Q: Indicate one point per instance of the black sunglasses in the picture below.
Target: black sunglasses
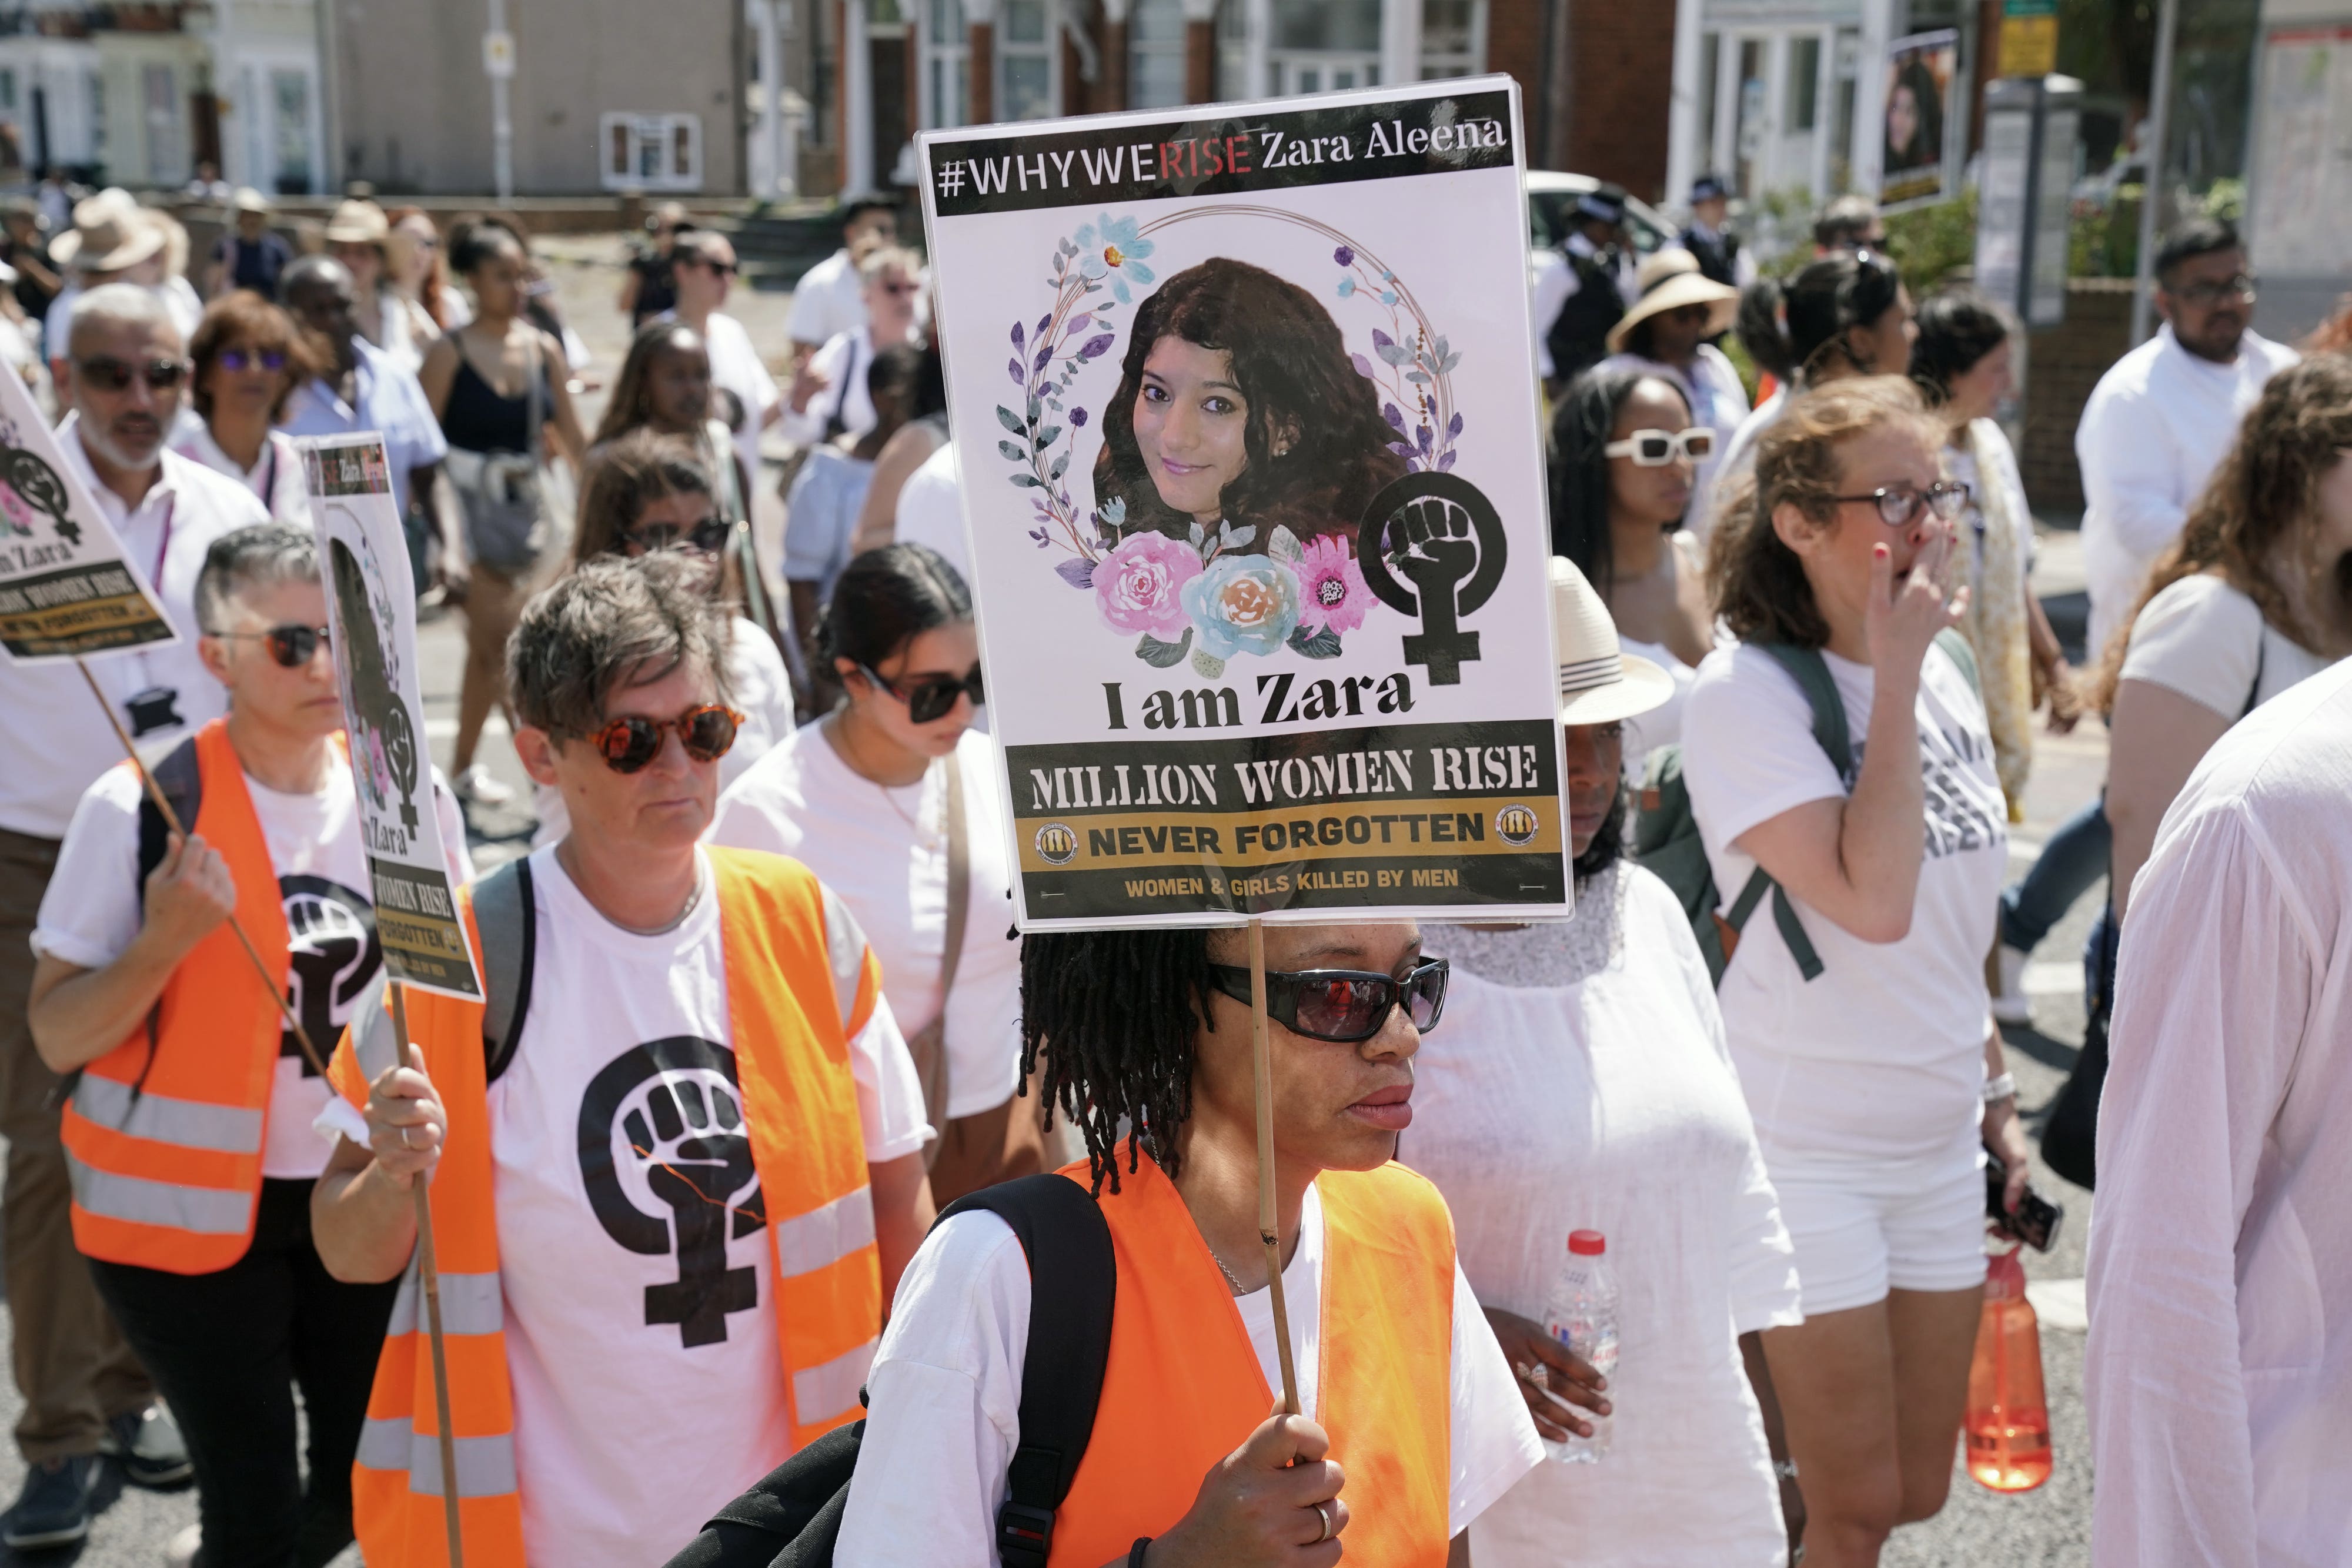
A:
(934, 698)
(1343, 1006)
(110, 374)
(706, 732)
(270, 359)
(1898, 504)
(722, 268)
(708, 536)
(292, 646)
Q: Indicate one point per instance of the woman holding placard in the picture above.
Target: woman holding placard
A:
(184, 1074)
(1402, 1383)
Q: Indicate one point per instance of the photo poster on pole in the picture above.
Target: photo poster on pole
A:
(1245, 408)
(372, 617)
(1921, 69)
(67, 589)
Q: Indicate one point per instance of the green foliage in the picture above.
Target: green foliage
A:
(1928, 243)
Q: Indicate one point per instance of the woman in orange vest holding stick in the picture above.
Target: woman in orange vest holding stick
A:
(188, 1129)
(1411, 1424)
(676, 1161)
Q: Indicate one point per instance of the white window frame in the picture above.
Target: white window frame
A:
(1139, 50)
(945, 63)
(1435, 66)
(1048, 48)
(641, 129)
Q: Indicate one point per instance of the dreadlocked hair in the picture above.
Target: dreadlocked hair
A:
(1111, 1015)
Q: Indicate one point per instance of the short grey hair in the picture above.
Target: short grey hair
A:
(264, 555)
(612, 622)
(883, 257)
(120, 304)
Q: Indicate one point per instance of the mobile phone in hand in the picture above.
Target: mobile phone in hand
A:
(2035, 1223)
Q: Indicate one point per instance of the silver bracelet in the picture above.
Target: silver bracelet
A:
(2001, 1088)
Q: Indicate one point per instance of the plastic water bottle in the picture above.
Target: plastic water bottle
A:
(1582, 1315)
(2008, 1422)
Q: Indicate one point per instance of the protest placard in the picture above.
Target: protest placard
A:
(66, 590)
(1245, 409)
(372, 612)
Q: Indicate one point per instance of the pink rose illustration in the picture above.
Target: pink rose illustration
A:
(1137, 585)
(1332, 590)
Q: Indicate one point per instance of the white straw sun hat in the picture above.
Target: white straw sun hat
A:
(1597, 685)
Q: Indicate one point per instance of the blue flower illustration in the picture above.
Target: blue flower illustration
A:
(1242, 603)
(1114, 248)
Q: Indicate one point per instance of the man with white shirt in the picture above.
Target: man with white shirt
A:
(675, 1171)
(126, 371)
(829, 396)
(2163, 416)
(830, 297)
(2219, 1372)
(702, 264)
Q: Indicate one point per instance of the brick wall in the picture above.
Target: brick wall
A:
(2063, 364)
(1621, 75)
(1515, 44)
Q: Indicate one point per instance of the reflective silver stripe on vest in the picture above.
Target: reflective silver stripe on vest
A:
(485, 1465)
(823, 1392)
(807, 1242)
(161, 1119)
(470, 1303)
(200, 1210)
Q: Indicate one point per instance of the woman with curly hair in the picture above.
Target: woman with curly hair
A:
(1411, 1426)
(1237, 403)
(2254, 597)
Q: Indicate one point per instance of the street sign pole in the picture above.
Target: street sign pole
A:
(499, 65)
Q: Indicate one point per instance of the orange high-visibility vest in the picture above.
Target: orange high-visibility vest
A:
(1183, 1388)
(793, 1002)
(163, 1134)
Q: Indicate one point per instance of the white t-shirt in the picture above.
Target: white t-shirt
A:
(162, 693)
(1662, 725)
(945, 1415)
(828, 300)
(96, 904)
(2156, 427)
(2221, 1250)
(2204, 639)
(1882, 1056)
(758, 687)
(275, 479)
(648, 1390)
(884, 852)
(930, 510)
(1581, 1082)
(736, 365)
(843, 362)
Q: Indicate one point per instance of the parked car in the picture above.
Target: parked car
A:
(1551, 194)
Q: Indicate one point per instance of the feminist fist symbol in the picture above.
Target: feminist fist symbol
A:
(1442, 534)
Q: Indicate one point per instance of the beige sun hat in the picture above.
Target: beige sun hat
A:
(248, 200)
(110, 232)
(1670, 279)
(358, 223)
(1598, 683)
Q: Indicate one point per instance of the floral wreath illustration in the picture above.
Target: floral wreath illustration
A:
(1215, 590)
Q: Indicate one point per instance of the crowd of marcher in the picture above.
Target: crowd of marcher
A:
(752, 1022)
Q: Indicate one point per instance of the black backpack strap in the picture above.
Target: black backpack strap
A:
(1811, 673)
(1062, 1229)
(505, 918)
(181, 781)
(1961, 652)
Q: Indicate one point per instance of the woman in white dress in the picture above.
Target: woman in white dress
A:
(1583, 1084)
(1625, 448)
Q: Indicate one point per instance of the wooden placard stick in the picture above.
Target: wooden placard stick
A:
(1267, 1227)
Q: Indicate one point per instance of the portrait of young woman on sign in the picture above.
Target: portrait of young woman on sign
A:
(1238, 404)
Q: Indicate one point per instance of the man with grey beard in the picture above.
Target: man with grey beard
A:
(126, 372)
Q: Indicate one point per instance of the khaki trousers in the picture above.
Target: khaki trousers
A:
(70, 1361)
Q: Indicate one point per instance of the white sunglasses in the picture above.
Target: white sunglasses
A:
(1656, 448)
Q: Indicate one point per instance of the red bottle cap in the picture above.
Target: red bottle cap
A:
(1587, 1243)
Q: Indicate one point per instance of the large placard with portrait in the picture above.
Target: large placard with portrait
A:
(1244, 407)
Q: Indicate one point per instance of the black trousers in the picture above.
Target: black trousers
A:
(227, 1350)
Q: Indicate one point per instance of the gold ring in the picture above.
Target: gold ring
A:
(1323, 1513)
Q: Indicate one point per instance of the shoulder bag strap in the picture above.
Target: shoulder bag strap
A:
(1067, 1241)
(1811, 673)
(506, 917)
(2262, 652)
(929, 1045)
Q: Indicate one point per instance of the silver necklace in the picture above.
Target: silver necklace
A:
(1228, 1274)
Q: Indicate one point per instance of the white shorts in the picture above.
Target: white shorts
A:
(1860, 1228)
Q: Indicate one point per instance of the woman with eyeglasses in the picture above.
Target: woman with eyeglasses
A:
(189, 1085)
(649, 491)
(828, 394)
(1410, 1425)
(1839, 751)
(249, 359)
(1845, 315)
(1581, 1083)
(1625, 450)
(892, 801)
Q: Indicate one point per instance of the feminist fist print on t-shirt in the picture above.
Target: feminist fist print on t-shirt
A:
(331, 955)
(666, 1162)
